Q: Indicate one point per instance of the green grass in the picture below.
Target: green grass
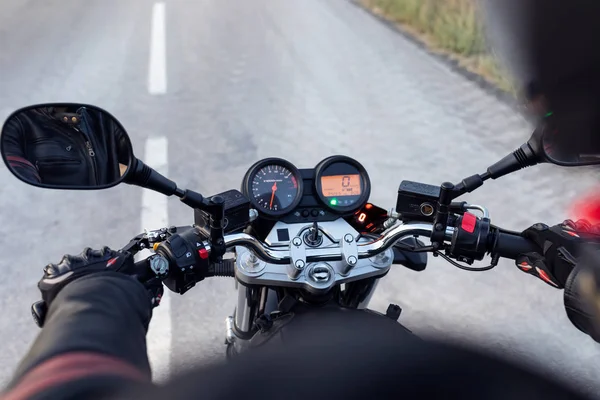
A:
(452, 27)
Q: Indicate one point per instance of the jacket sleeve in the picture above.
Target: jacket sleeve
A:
(582, 295)
(93, 342)
(13, 143)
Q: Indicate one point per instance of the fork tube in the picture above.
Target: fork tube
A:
(247, 307)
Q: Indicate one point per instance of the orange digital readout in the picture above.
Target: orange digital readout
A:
(340, 185)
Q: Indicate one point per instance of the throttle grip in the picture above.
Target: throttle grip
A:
(512, 244)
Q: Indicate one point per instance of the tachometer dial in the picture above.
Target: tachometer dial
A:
(273, 186)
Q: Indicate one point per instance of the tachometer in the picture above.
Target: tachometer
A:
(342, 184)
(274, 186)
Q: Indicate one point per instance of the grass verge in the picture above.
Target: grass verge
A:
(449, 27)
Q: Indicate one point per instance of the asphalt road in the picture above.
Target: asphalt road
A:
(295, 79)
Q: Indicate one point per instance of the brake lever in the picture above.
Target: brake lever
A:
(137, 244)
(149, 239)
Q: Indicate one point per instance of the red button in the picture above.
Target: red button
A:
(203, 253)
(468, 222)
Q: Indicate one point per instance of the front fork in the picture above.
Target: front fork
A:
(364, 303)
(253, 302)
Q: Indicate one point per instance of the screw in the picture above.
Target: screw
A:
(321, 213)
(299, 264)
(253, 214)
(297, 241)
(352, 260)
(348, 238)
(217, 200)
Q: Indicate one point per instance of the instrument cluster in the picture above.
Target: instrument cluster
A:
(338, 186)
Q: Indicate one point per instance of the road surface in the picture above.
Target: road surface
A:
(207, 88)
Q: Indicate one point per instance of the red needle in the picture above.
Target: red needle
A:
(274, 188)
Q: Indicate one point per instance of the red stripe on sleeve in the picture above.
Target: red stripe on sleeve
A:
(72, 367)
(19, 162)
(20, 159)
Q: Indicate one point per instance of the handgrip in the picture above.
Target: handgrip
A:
(511, 245)
(143, 272)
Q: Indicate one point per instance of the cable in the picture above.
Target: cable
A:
(457, 265)
(418, 249)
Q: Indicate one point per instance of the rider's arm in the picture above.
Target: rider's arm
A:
(93, 341)
(13, 142)
(122, 148)
(123, 145)
(582, 295)
(569, 258)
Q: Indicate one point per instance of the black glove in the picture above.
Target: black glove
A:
(70, 268)
(559, 247)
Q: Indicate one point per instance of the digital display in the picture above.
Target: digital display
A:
(340, 185)
(370, 218)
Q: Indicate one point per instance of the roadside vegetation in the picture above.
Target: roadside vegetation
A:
(451, 27)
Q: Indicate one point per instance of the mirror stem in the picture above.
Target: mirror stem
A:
(191, 198)
(146, 177)
(521, 158)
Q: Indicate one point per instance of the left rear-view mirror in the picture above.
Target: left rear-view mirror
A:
(66, 146)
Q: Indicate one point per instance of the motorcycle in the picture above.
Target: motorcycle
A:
(290, 237)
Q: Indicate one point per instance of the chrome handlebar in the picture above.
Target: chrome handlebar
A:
(281, 254)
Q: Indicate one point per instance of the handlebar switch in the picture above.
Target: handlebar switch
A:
(188, 260)
(470, 237)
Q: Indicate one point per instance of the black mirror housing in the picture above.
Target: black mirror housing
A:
(66, 146)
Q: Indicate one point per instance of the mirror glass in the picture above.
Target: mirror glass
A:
(66, 146)
(572, 145)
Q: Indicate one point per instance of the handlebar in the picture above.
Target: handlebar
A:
(281, 254)
(505, 244)
(189, 258)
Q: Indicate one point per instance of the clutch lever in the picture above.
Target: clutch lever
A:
(411, 253)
